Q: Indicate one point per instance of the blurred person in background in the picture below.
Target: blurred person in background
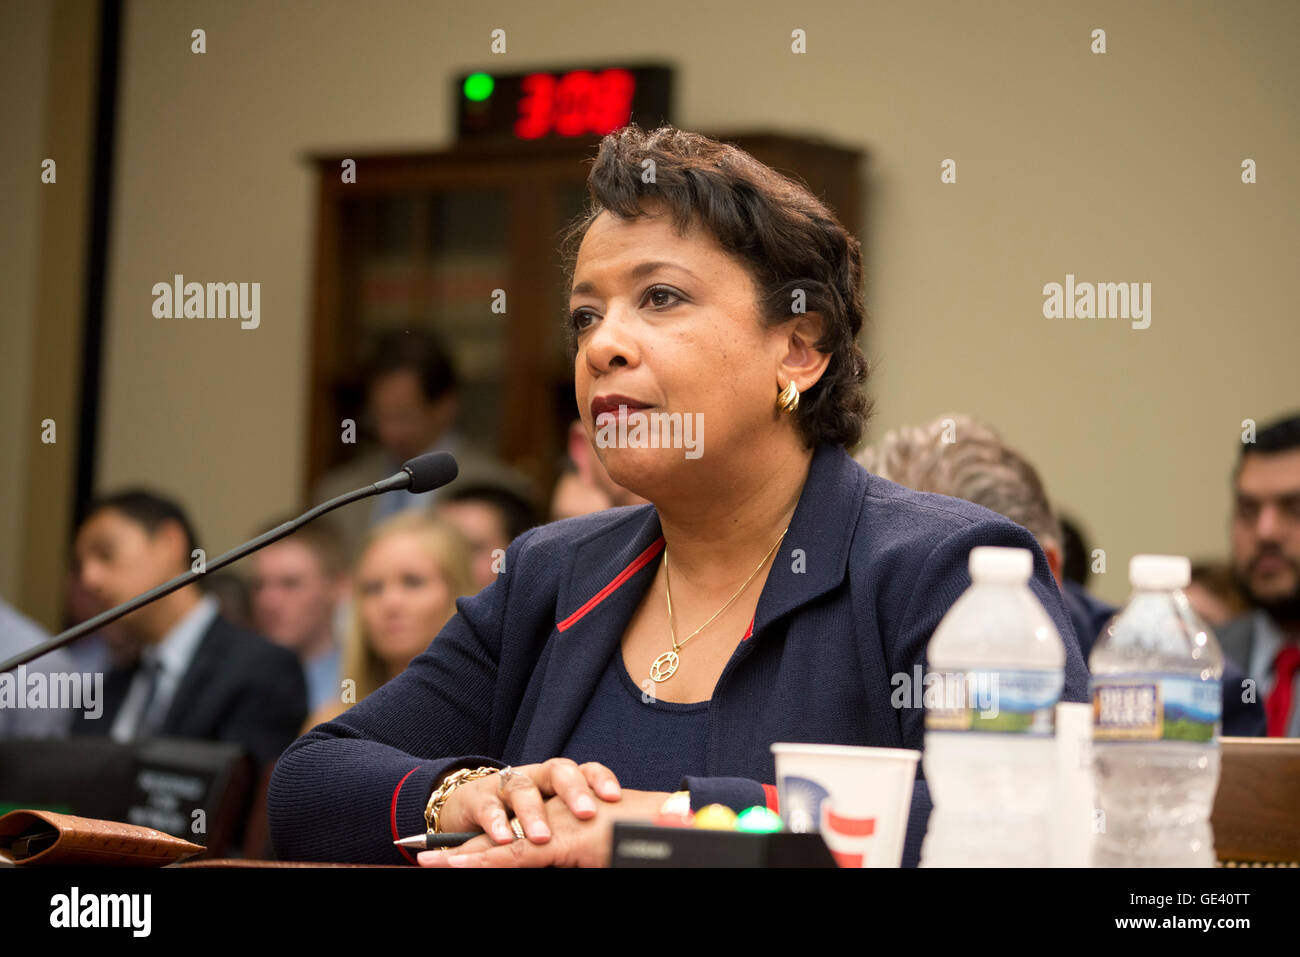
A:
(18, 633)
(109, 647)
(955, 455)
(412, 569)
(584, 485)
(196, 675)
(1265, 534)
(958, 456)
(1214, 593)
(297, 584)
(411, 407)
(233, 599)
(573, 496)
(1077, 565)
(490, 516)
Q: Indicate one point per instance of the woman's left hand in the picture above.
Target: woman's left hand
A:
(573, 842)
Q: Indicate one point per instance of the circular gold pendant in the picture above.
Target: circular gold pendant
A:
(664, 666)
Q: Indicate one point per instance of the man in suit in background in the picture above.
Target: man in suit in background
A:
(1266, 562)
(197, 675)
(412, 404)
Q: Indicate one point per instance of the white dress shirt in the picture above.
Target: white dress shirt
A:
(172, 656)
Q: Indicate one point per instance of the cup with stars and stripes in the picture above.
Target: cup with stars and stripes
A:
(858, 798)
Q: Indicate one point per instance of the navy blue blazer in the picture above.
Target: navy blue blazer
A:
(866, 571)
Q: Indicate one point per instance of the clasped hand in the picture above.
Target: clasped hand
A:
(567, 812)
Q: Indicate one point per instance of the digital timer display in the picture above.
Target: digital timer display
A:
(562, 104)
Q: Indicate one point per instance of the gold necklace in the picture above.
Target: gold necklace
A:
(665, 666)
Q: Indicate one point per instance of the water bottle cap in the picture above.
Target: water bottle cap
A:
(989, 563)
(1159, 571)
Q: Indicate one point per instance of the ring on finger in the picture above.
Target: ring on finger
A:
(504, 776)
(517, 828)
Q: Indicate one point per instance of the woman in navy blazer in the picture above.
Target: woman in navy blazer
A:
(774, 590)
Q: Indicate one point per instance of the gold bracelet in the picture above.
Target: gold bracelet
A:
(441, 793)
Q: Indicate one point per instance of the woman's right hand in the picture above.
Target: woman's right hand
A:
(488, 803)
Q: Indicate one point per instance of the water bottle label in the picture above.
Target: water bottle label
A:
(1155, 707)
(1017, 702)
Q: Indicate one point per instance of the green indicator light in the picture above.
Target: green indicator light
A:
(478, 87)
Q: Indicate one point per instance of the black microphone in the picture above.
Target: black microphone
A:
(423, 473)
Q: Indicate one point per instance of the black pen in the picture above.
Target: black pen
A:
(434, 842)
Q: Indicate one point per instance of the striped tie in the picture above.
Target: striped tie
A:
(150, 719)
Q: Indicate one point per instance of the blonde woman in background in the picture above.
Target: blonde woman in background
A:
(412, 569)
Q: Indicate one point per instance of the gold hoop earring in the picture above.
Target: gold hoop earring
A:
(788, 400)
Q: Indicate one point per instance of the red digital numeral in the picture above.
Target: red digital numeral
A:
(535, 106)
(573, 103)
(613, 101)
(577, 103)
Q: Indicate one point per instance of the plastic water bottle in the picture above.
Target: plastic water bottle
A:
(1157, 704)
(996, 673)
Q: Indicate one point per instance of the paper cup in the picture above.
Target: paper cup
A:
(858, 798)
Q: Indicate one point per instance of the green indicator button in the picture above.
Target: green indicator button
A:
(478, 87)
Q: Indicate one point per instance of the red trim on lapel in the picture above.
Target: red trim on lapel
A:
(392, 814)
(750, 630)
(637, 564)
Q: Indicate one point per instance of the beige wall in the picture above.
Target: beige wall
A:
(1122, 167)
(24, 60)
(49, 66)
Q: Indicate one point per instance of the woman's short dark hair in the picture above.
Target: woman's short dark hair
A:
(785, 236)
